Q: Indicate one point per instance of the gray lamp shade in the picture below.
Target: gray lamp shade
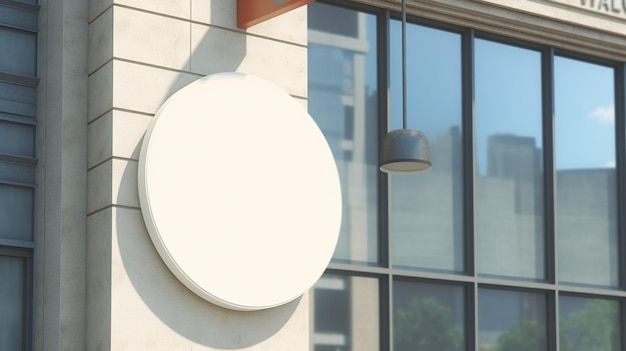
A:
(405, 151)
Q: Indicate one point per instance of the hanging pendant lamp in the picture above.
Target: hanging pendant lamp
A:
(405, 150)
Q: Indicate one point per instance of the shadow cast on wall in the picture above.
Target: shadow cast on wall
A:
(219, 50)
(179, 308)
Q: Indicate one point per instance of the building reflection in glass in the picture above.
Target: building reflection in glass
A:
(346, 313)
(509, 211)
(586, 185)
(343, 102)
(426, 210)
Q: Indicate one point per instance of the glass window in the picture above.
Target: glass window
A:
(426, 210)
(12, 299)
(16, 212)
(511, 320)
(431, 316)
(346, 313)
(18, 50)
(17, 139)
(586, 203)
(334, 20)
(17, 100)
(508, 162)
(18, 97)
(589, 324)
(517, 248)
(343, 101)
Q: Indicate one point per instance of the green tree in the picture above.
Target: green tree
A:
(426, 325)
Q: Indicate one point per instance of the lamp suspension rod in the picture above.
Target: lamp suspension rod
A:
(404, 105)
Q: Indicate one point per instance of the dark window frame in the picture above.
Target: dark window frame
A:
(27, 308)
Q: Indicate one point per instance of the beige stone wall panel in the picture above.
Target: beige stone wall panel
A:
(219, 50)
(173, 8)
(97, 7)
(128, 130)
(100, 41)
(152, 310)
(100, 92)
(112, 183)
(143, 88)
(151, 38)
(99, 140)
(98, 291)
(117, 134)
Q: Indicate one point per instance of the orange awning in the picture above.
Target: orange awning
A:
(251, 12)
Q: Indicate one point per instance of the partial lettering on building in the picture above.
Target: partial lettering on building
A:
(615, 8)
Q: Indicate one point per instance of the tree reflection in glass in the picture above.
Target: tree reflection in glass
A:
(588, 324)
(522, 336)
(428, 317)
(425, 324)
(511, 321)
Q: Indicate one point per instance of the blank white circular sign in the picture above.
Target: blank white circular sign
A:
(239, 192)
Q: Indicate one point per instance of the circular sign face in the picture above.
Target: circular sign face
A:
(239, 192)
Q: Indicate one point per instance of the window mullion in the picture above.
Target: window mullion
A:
(620, 153)
(548, 163)
(384, 242)
(468, 169)
(551, 257)
(384, 89)
(468, 150)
